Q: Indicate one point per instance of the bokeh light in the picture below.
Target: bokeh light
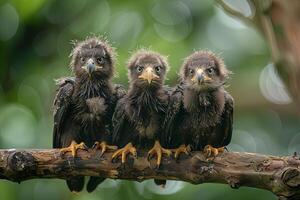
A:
(9, 20)
(126, 27)
(272, 86)
(17, 126)
(173, 20)
(149, 188)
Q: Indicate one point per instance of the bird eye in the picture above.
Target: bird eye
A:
(82, 59)
(100, 60)
(157, 69)
(210, 70)
(139, 68)
(191, 71)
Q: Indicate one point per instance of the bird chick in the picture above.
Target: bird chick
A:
(84, 104)
(200, 112)
(137, 121)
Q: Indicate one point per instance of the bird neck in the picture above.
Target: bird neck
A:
(148, 100)
(197, 101)
(92, 87)
(205, 108)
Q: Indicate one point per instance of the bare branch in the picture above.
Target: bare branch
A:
(280, 175)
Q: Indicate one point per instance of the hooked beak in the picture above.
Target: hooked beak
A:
(199, 76)
(148, 75)
(90, 66)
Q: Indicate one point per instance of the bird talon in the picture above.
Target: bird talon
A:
(182, 149)
(159, 151)
(150, 154)
(104, 147)
(211, 152)
(189, 150)
(95, 145)
(82, 146)
(128, 149)
(73, 148)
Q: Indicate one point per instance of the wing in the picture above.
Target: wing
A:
(118, 121)
(172, 114)
(120, 91)
(226, 124)
(61, 108)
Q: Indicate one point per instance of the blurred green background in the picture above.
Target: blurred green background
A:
(35, 44)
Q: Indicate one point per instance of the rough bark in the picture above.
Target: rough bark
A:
(280, 175)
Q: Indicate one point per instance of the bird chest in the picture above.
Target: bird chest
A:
(148, 130)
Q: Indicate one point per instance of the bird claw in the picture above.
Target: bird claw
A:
(73, 148)
(128, 149)
(182, 149)
(159, 151)
(104, 147)
(225, 149)
(211, 152)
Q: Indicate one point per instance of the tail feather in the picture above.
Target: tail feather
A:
(93, 183)
(161, 183)
(76, 184)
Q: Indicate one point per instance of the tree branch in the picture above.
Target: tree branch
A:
(280, 175)
(279, 21)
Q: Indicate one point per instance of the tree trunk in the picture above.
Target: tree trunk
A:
(279, 21)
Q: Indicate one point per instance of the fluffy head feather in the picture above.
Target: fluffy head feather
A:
(204, 70)
(96, 51)
(143, 60)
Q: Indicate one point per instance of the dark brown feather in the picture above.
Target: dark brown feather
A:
(200, 114)
(84, 104)
(139, 115)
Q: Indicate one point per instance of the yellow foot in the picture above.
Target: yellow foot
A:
(182, 149)
(128, 149)
(104, 147)
(73, 148)
(159, 151)
(210, 151)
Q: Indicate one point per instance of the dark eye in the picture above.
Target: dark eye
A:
(191, 71)
(210, 70)
(139, 68)
(100, 60)
(82, 59)
(157, 69)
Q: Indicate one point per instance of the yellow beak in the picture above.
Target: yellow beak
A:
(148, 75)
(199, 73)
(200, 76)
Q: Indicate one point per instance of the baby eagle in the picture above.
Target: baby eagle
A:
(200, 112)
(84, 104)
(138, 117)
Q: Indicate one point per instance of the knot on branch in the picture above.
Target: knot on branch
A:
(291, 177)
(296, 197)
(21, 164)
(234, 182)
